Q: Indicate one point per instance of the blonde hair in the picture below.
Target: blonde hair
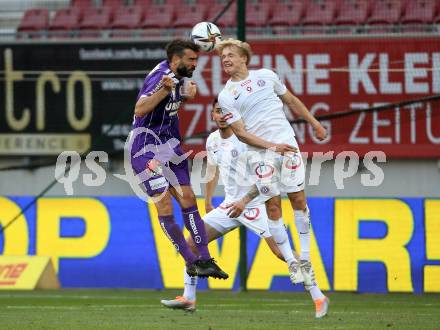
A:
(243, 47)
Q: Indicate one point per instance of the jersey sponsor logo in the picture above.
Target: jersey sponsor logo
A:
(192, 223)
(172, 107)
(158, 183)
(247, 82)
(236, 97)
(261, 83)
(264, 171)
(251, 214)
(293, 162)
(249, 89)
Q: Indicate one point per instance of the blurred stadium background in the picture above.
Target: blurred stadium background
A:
(70, 73)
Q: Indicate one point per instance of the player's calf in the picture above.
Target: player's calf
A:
(308, 273)
(296, 275)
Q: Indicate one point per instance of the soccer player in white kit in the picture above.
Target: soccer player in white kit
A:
(252, 103)
(228, 159)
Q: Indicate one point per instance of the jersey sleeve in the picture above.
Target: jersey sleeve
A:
(209, 151)
(278, 86)
(152, 83)
(231, 115)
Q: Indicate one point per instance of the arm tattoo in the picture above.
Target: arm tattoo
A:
(251, 194)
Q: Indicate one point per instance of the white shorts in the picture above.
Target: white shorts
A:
(254, 218)
(276, 174)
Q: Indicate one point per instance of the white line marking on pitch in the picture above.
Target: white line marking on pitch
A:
(54, 296)
(82, 307)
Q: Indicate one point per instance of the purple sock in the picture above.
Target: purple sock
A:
(196, 227)
(174, 234)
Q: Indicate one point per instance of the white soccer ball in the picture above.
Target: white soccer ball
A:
(206, 35)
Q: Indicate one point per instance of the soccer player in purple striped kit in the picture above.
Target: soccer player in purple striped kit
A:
(157, 157)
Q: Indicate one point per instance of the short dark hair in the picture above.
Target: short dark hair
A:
(178, 46)
(215, 101)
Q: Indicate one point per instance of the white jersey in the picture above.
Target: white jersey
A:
(231, 158)
(256, 101)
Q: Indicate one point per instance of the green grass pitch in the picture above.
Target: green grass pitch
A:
(138, 309)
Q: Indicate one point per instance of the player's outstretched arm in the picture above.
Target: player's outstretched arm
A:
(211, 172)
(147, 104)
(253, 140)
(236, 208)
(300, 109)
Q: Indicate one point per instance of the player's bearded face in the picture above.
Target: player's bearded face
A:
(187, 64)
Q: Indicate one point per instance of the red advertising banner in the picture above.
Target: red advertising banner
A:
(342, 75)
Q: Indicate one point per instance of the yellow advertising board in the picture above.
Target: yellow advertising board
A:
(27, 273)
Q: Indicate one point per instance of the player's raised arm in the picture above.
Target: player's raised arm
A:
(253, 140)
(146, 104)
(300, 109)
(211, 172)
(189, 90)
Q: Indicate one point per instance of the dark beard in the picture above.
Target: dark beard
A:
(182, 71)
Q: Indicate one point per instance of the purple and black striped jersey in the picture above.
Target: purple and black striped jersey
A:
(163, 121)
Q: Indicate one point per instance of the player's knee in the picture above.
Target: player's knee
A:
(273, 211)
(164, 206)
(298, 201)
(188, 199)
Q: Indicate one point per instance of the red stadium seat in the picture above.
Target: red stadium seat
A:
(36, 19)
(320, 13)
(317, 15)
(352, 12)
(287, 14)
(386, 12)
(229, 17)
(257, 14)
(158, 16)
(145, 3)
(419, 11)
(126, 18)
(189, 15)
(82, 4)
(67, 20)
(114, 5)
(95, 19)
(385, 16)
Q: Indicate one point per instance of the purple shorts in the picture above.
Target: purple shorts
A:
(158, 174)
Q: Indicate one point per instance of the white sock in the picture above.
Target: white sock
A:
(279, 234)
(190, 283)
(315, 292)
(302, 222)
